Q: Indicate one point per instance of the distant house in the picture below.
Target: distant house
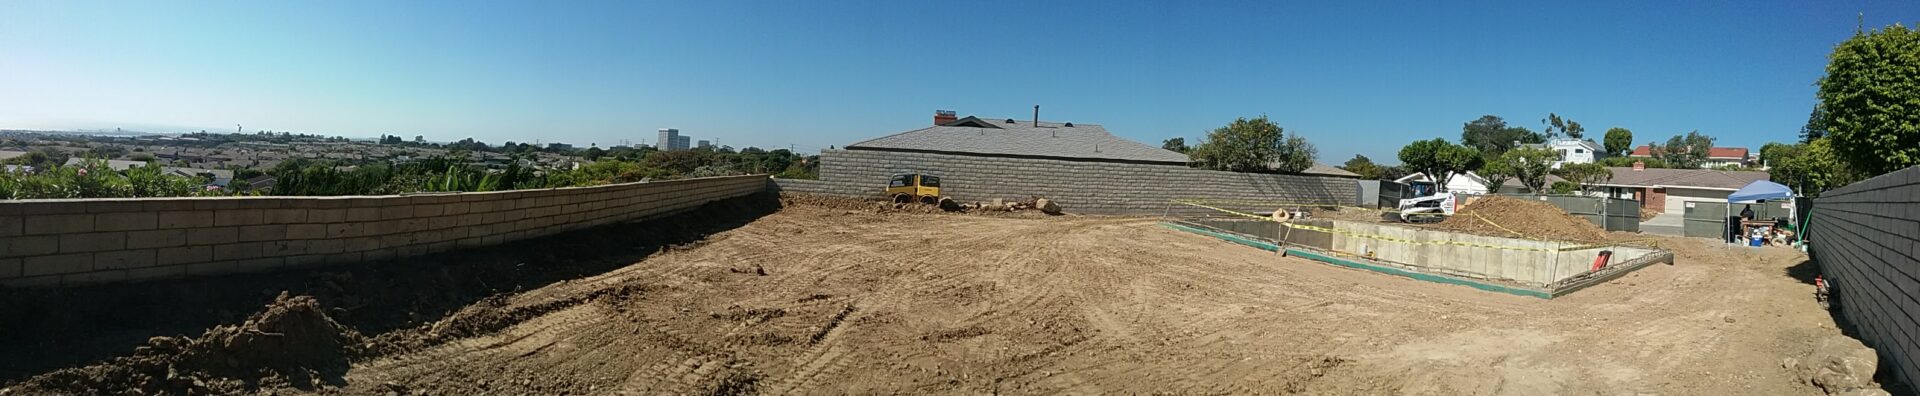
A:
(261, 183)
(1021, 139)
(214, 177)
(1461, 183)
(1572, 151)
(1716, 157)
(1319, 169)
(1669, 190)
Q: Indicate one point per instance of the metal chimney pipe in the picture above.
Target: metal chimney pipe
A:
(1036, 116)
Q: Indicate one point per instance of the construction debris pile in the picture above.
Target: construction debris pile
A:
(1521, 218)
(1029, 205)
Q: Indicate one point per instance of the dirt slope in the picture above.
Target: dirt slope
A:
(815, 300)
(1521, 218)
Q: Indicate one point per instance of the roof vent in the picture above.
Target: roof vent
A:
(1009, 120)
(1069, 125)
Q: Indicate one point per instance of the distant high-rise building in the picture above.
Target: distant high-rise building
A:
(671, 140)
(705, 144)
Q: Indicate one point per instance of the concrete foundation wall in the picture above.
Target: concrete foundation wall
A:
(1540, 269)
(1526, 267)
(1866, 238)
(1078, 186)
(82, 241)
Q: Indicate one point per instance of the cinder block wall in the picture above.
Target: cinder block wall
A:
(1866, 238)
(1080, 187)
(82, 241)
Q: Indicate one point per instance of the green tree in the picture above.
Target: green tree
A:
(1816, 126)
(1871, 96)
(1563, 126)
(1253, 145)
(1531, 166)
(107, 152)
(1562, 188)
(1496, 172)
(1178, 145)
(1686, 151)
(1491, 135)
(1439, 159)
(1363, 166)
(1809, 168)
(1619, 141)
(1627, 162)
(1585, 176)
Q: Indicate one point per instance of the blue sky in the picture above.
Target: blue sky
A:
(1354, 77)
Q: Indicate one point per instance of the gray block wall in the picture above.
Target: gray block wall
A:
(1079, 187)
(64, 242)
(1866, 238)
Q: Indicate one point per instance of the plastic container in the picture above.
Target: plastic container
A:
(1756, 242)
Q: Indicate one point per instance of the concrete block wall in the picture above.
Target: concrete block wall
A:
(1866, 238)
(1078, 186)
(83, 241)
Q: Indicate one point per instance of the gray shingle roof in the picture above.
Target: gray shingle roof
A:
(1697, 178)
(1022, 138)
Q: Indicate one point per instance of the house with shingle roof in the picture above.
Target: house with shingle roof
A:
(1008, 137)
(1669, 190)
(1080, 166)
(1022, 139)
(1716, 157)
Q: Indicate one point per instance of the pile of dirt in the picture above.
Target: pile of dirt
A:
(1520, 218)
(1016, 208)
(291, 343)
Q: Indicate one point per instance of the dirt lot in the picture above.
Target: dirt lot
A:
(816, 299)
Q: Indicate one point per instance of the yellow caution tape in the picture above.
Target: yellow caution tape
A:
(1490, 222)
(1392, 239)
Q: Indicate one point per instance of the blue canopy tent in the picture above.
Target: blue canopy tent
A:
(1760, 191)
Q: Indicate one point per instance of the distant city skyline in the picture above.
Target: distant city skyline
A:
(1350, 77)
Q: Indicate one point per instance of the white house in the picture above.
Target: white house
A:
(1572, 151)
(1461, 183)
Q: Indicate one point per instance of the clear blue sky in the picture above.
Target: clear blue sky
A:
(1352, 78)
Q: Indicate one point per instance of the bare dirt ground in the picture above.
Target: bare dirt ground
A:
(816, 299)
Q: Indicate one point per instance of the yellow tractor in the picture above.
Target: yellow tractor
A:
(912, 187)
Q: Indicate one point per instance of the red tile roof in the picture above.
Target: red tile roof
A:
(1727, 152)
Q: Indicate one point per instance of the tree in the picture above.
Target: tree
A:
(1628, 162)
(1809, 168)
(1491, 135)
(1178, 145)
(1816, 126)
(1563, 126)
(1686, 151)
(1562, 188)
(1871, 98)
(1439, 159)
(1253, 145)
(107, 152)
(1363, 166)
(1585, 176)
(1619, 141)
(1530, 165)
(1496, 172)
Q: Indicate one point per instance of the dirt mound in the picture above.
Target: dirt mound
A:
(1026, 208)
(1521, 218)
(292, 343)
